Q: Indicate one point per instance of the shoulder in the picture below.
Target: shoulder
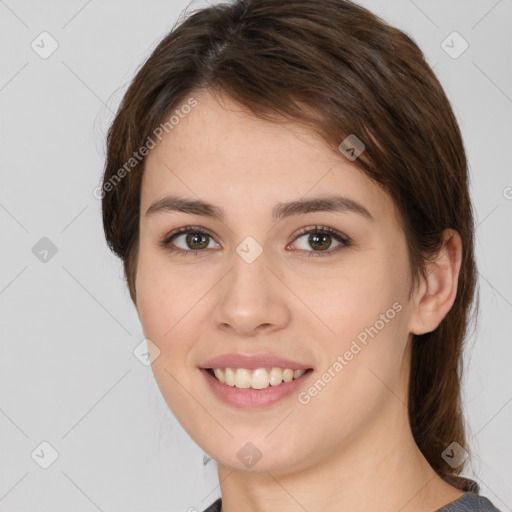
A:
(470, 502)
(215, 506)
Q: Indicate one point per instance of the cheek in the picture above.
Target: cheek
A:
(362, 373)
(153, 304)
(162, 314)
(364, 315)
(163, 307)
(163, 295)
(171, 306)
(351, 299)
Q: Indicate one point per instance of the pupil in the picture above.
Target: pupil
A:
(320, 241)
(197, 241)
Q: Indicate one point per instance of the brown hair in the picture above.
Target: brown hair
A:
(341, 70)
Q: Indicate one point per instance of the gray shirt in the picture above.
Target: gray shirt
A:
(468, 502)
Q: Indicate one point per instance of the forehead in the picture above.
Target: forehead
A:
(219, 127)
(221, 152)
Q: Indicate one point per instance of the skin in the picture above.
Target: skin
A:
(351, 447)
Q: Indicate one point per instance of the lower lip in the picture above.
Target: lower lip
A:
(250, 398)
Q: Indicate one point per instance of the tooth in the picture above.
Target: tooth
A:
(288, 375)
(260, 379)
(243, 378)
(219, 374)
(298, 373)
(276, 376)
(229, 376)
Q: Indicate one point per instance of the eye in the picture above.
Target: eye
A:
(189, 240)
(321, 239)
(314, 240)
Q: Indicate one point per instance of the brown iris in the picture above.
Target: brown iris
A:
(320, 241)
(197, 240)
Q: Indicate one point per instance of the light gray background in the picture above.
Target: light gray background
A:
(68, 375)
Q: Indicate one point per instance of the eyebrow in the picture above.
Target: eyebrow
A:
(280, 211)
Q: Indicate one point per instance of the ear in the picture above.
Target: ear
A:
(436, 293)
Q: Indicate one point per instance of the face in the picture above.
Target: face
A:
(269, 245)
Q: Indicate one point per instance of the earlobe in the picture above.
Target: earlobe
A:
(436, 293)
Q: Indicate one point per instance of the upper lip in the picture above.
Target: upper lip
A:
(252, 362)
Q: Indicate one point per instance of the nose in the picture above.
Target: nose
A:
(251, 300)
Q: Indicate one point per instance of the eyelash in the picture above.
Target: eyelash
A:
(344, 240)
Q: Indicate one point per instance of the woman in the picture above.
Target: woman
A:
(287, 187)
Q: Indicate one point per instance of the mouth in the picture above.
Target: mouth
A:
(257, 378)
(255, 381)
(257, 388)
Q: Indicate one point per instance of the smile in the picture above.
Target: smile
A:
(255, 389)
(258, 378)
